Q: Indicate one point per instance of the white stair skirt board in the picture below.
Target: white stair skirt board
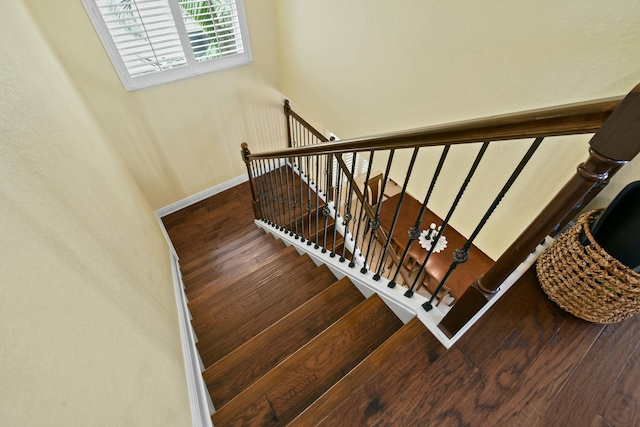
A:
(199, 400)
(405, 308)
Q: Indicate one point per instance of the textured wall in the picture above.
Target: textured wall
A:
(183, 137)
(362, 68)
(88, 323)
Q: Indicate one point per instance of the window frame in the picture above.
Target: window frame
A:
(191, 69)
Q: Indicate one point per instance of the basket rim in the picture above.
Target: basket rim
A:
(584, 225)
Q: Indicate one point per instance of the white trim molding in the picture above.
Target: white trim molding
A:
(199, 401)
(198, 197)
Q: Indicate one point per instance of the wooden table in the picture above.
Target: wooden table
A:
(463, 276)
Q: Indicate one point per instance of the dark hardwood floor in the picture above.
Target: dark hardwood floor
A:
(525, 363)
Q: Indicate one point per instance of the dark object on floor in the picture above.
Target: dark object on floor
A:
(585, 280)
(617, 230)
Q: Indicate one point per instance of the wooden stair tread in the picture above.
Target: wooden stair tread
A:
(245, 321)
(233, 260)
(213, 256)
(227, 377)
(207, 238)
(223, 304)
(212, 294)
(383, 374)
(196, 261)
(308, 373)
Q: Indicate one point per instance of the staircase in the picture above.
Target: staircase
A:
(283, 341)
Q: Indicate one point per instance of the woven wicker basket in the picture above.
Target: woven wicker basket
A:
(585, 280)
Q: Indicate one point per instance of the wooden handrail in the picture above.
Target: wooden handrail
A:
(580, 118)
(290, 113)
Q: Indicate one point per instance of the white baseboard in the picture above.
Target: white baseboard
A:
(198, 197)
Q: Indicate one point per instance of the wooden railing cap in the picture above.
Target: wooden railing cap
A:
(577, 118)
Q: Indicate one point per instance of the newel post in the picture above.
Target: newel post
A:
(287, 114)
(256, 203)
(616, 143)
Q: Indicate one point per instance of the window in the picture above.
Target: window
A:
(157, 41)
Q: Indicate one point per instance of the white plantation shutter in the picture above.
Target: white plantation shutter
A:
(157, 41)
(213, 28)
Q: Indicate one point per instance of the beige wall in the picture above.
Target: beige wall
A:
(362, 68)
(180, 138)
(88, 323)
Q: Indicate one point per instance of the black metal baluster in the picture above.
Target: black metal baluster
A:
(289, 200)
(256, 181)
(409, 293)
(326, 212)
(274, 197)
(309, 205)
(362, 205)
(300, 175)
(336, 206)
(384, 254)
(264, 207)
(287, 113)
(374, 224)
(283, 199)
(294, 200)
(348, 216)
(316, 246)
(414, 232)
(461, 255)
(279, 195)
(267, 194)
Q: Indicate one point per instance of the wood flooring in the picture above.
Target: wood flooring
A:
(525, 363)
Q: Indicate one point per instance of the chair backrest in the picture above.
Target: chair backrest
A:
(372, 193)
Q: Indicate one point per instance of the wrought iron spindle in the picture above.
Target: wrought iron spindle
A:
(267, 193)
(326, 211)
(348, 216)
(263, 206)
(336, 207)
(317, 183)
(274, 197)
(256, 183)
(309, 205)
(414, 232)
(409, 293)
(287, 165)
(283, 199)
(300, 180)
(374, 223)
(279, 194)
(384, 254)
(287, 114)
(294, 200)
(461, 255)
(362, 213)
